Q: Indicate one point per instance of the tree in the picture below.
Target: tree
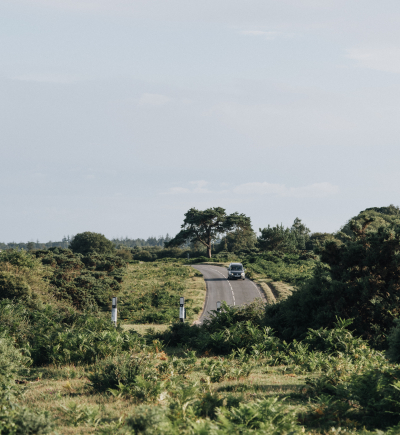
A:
(277, 238)
(283, 239)
(87, 242)
(358, 278)
(239, 240)
(301, 232)
(205, 226)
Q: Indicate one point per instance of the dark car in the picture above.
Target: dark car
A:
(236, 271)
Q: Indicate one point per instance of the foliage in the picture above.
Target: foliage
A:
(77, 345)
(15, 420)
(57, 336)
(83, 281)
(152, 290)
(12, 360)
(378, 216)
(77, 414)
(394, 342)
(128, 375)
(205, 226)
(87, 243)
(283, 239)
(239, 240)
(359, 279)
(278, 266)
(18, 258)
(13, 286)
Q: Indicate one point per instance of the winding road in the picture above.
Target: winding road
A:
(219, 288)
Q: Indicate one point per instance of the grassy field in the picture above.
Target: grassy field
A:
(66, 394)
(151, 291)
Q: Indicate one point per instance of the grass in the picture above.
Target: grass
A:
(143, 329)
(65, 393)
(150, 293)
(275, 291)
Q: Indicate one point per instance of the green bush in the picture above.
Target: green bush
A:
(12, 360)
(83, 280)
(18, 258)
(292, 268)
(358, 279)
(127, 375)
(77, 345)
(13, 286)
(394, 343)
(15, 420)
(144, 255)
(87, 243)
(377, 393)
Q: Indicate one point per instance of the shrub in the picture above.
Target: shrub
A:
(145, 256)
(83, 280)
(270, 416)
(394, 343)
(86, 243)
(377, 392)
(22, 421)
(127, 375)
(12, 360)
(360, 280)
(125, 254)
(13, 286)
(18, 258)
(150, 420)
(74, 345)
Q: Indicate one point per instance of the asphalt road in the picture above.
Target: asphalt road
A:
(219, 288)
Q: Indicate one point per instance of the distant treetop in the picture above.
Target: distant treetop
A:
(87, 242)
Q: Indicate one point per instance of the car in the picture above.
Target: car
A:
(236, 271)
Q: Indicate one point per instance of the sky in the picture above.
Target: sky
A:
(118, 116)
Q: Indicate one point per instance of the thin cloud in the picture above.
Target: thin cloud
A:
(267, 35)
(155, 100)
(385, 59)
(316, 190)
(199, 187)
(47, 78)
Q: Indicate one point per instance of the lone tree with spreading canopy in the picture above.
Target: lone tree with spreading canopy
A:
(205, 226)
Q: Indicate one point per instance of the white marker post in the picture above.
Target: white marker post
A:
(114, 311)
(182, 313)
(218, 306)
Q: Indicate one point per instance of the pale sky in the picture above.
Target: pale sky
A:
(118, 116)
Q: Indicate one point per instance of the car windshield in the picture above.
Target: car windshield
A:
(236, 267)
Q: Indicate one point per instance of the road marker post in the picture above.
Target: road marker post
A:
(218, 306)
(182, 311)
(114, 311)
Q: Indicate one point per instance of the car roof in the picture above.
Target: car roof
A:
(236, 264)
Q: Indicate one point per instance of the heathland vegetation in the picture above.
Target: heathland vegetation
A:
(322, 356)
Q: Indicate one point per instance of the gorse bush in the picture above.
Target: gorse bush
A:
(12, 360)
(13, 286)
(83, 281)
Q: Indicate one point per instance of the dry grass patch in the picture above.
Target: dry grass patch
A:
(144, 329)
(275, 291)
